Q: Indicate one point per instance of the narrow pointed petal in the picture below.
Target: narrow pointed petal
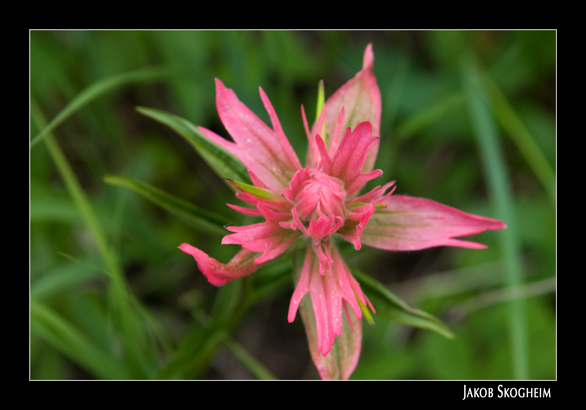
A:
(323, 227)
(336, 138)
(255, 195)
(327, 292)
(334, 342)
(279, 205)
(278, 130)
(265, 152)
(410, 223)
(325, 162)
(245, 211)
(324, 301)
(218, 273)
(360, 97)
(355, 223)
(376, 195)
(349, 159)
(255, 181)
(268, 238)
(342, 360)
(313, 155)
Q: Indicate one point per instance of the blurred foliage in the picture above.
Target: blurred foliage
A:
(187, 328)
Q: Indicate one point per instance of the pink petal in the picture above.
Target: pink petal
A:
(327, 294)
(410, 223)
(285, 145)
(376, 195)
(269, 238)
(255, 181)
(296, 184)
(219, 274)
(338, 364)
(355, 223)
(267, 153)
(312, 152)
(348, 160)
(245, 211)
(278, 205)
(361, 100)
(323, 227)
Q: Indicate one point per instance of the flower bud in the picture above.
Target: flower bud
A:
(321, 195)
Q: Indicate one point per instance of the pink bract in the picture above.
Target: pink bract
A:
(322, 200)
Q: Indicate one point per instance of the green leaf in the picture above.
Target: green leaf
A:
(223, 162)
(199, 218)
(365, 311)
(254, 190)
(389, 305)
(320, 107)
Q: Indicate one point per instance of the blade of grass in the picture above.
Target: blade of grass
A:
(255, 367)
(511, 122)
(190, 358)
(502, 199)
(249, 361)
(139, 356)
(55, 330)
(61, 279)
(94, 91)
(202, 219)
(497, 296)
(434, 113)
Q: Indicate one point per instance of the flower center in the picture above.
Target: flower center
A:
(321, 195)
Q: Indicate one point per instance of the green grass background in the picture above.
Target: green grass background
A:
(468, 120)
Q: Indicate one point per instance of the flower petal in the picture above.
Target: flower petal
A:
(270, 238)
(322, 313)
(355, 223)
(265, 152)
(349, 159)
(218, 273)
(360, 97)
(377, 194)
(410, 223)
(342, 360)
(327, 291)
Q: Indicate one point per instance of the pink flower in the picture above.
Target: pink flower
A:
(322, 201)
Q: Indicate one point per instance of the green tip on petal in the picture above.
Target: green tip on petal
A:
(320, 107)
(357, 204)
(365, 311)
(254, 190)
